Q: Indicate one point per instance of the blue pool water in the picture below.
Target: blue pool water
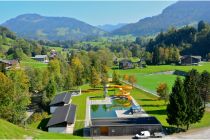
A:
(108, 110)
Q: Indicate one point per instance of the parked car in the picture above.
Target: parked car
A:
(142, 135)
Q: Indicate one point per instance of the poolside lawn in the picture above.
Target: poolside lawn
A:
(155, 107)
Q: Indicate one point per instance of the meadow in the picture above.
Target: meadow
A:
(149, 78)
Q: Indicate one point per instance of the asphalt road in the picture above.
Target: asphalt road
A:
(203, 133)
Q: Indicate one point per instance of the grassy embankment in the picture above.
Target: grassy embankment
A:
(11, 131)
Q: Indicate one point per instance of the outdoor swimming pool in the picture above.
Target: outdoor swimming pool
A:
(108, 110)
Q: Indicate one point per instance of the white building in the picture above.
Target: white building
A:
(63, 119)
(60, 100)
(41, 58)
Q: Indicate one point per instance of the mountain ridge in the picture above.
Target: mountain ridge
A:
(35, 26)
(178, 14)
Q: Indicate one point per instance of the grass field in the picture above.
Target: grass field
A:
(11, 131)
(157, 108)
(28, 62)
(148, 78)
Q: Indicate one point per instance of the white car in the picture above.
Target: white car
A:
(143, 135)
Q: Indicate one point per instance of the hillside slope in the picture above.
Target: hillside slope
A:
(34, 26)
(179, 14)
(11, 131)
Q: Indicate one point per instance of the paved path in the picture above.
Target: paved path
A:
(202, 133)
(107, 100)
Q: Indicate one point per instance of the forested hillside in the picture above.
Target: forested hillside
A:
(51, 28)
(189, 40)
(177, 15)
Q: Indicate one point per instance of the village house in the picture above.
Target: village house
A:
(53, 54)
(63, 119)
(190, 60)
(7, 64)
(60, 100)
(126, 64)
(41, 58)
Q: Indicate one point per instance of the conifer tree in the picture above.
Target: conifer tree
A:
(195, 109)
(176, 109)
(204, 86)
(51, 89)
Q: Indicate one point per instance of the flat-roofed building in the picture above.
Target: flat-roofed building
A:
(124, 126)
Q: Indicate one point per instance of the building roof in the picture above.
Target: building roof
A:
(40, 56)
(64, 114)
(125, 121)
(193, 56)
(9, 61)
(61, 98)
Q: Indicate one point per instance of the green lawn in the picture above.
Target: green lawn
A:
(161, 68)
(28, 62)
(157, 108)
(150, 81)
(11, 131)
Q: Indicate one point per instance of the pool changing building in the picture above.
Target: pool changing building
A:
(63, 119)
(60, 100)
(124, 126)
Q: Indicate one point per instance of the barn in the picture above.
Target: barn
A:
(41, 58)
(124, 126)
(60, 100)
(190, 60)
(63, 119)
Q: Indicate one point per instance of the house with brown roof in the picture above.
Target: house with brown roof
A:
(8, 64)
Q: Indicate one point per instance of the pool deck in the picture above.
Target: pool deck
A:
(107, 100)
(127, 114)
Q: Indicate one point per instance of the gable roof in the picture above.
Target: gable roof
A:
(40, 56)
(63, 114)
(10, 62)
(61, 98)
(186, 56)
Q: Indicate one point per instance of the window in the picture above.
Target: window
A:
(113, 130)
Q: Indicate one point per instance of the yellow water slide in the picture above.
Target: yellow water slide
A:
(124, 91)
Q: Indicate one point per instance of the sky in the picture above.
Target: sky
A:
(92, 12)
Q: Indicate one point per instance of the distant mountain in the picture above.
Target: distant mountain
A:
(111, 27)
(179, 14)
(34, 26)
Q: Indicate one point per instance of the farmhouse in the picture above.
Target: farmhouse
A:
(126, 64)
(63, 119)
(7, 64)
(60, 100)
(190, 60)
(41, 58)
(124, 126)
